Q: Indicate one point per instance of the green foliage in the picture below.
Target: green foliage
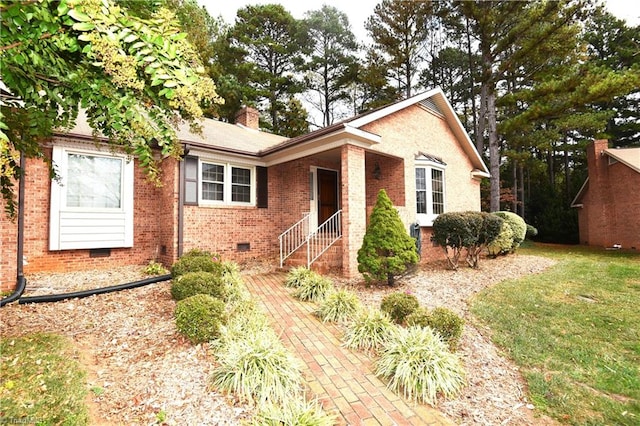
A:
(297, 276)
(235, 290)
(420, 317)
(448, 325)
(504, 242)
(257, 368)
(418, 363)
(195, 261)
(314, 289)
(340, 306)
(532, 231)
(193, 283)
(399, 305)
(518, 226)
(369, 330)
(387, 249)
(200, 317)
(134, 78)
(470, 231)
(155, 268)
(292, 412)
(41, 381)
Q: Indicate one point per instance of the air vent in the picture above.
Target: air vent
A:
(431, 106)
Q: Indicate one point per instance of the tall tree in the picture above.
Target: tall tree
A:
(371, 88)
(273, 44)
(328, 69)
(134, 77)
(399, 30)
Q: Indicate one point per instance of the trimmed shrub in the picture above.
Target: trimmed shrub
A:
(193, 283)
(297, 276)
(314, 289)
(258, 368)
(194, 261)
(399, 305)
(504, 242)
(200, 317)
(369, 330)
(532, 231)
(447, 324)
(518, 227)
(339, 306)
(294, 411)
(417, 363)
(419, 318)
(387, 249)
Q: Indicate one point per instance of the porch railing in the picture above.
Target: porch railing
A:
(317, 241)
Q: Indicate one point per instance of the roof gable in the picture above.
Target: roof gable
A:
(627, 156)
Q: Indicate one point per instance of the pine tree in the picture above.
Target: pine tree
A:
(387, 249)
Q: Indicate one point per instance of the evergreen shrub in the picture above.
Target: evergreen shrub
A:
(192, 283)
(399, 305)
(518, 227)
(200, 317)
(419, 318)
(447, 324)
(196, 260)
(504, 242)
(532, 231)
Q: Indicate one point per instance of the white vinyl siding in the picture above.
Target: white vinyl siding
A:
(92, 203)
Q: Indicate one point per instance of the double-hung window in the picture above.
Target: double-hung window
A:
(225, 183)
(430, 189)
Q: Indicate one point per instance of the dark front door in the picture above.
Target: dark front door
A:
(327, 194)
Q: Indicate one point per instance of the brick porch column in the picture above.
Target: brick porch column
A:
(354, 207)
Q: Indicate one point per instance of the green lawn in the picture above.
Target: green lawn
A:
(574, 330)
(40, 382)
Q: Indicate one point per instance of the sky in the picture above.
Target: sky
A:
(359, 10)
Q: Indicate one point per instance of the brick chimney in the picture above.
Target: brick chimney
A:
(248, 117)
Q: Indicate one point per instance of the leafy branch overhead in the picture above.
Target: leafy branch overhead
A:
(136, 78)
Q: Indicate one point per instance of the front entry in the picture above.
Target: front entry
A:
(324, 195)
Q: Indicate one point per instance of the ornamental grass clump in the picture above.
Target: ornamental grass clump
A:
(399, 305)
(340, 306)
(235, 289)
(418, 364)
(193, 283)
(293, 412)
(196, 260)
(200, 317)
(369, 330)
(297, 276)
(258, 369)
(314, 289)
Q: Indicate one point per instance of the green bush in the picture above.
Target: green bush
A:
(518, 227)
(314, 289)
(387, 249)
(504, 242)
(416, 362)
(196, 260)
(293, 412)
(447, 324)
(193, 283)
(399, 305)
(339, 306)
(532, 231)
(419, 317)
(297, 276)
(369, 330)
(200, 317)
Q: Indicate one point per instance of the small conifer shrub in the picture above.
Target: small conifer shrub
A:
(420, 317)
(200, 317)
(387, 251)
(399, 305)
(447, 324)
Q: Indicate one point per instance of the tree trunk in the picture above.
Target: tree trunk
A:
(494, 149)
(514, 203)
(472, 89)
(482, 116)
(521, 189)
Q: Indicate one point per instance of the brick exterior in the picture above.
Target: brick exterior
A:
(404, 134)
(611, 203)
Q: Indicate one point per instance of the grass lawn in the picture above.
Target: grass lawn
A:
(574, 330)
(40, 382)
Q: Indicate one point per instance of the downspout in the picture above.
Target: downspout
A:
(21, 283)
(181, 183)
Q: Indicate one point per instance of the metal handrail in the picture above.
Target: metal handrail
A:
(322, 238)
(294, 237)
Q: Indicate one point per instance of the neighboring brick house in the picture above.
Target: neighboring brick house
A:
(609, 200)
(237, 189)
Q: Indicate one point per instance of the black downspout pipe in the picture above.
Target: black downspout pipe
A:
(21, 282)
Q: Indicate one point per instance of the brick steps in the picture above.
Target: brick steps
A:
(329, 261)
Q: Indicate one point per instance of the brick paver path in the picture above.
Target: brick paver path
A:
(341, 379)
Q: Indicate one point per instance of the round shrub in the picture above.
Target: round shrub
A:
(200, 317)
(399, 305)
(194, 262)
(419, 317)
(193, 283)
(416, 362)
(532, 231)
(518, 226)
(504, 242)
(339, 306)
(447, 324)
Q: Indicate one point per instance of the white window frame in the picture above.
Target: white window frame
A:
(426, 219)
(227, 184)
(86, 220)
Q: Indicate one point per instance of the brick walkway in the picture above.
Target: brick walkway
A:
(341, 379)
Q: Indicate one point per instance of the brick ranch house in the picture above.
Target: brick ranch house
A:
(609, 201)
(238, 189)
